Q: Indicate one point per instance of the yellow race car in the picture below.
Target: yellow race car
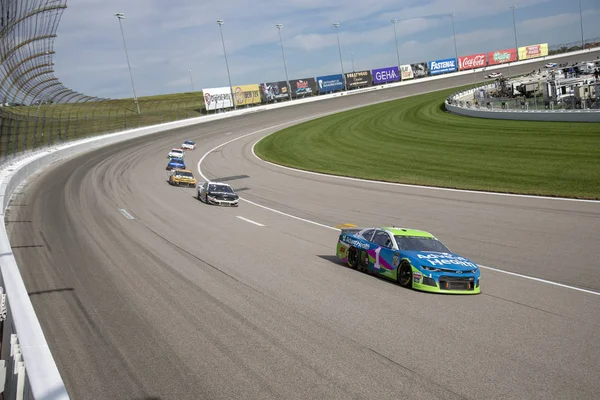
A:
(182, 177)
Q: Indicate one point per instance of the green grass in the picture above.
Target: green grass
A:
(415, 141)
(28, 127)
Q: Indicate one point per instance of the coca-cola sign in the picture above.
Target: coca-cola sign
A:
(502, 56)
(472, 61)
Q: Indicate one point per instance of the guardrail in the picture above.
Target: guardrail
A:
(31, 372)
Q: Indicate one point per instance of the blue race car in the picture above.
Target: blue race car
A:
(415, 259)
(176, 163)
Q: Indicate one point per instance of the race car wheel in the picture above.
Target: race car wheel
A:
(405, 275)
(199, 196)
(352, 258)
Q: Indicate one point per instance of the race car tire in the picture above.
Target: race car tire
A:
(352, 260)
(199, 196)
(405, 275)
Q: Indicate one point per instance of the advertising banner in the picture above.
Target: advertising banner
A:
(502, 56)
(442, 66)
(245, 95)
(330, 83)
(533, 51)
(272, 91)
(217, 98)
(420, 70)
(385, 75)
(406, 72)
(303, 87)
(472, 61)
(358, 78)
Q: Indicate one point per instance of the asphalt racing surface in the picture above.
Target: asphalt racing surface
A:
(144, 292)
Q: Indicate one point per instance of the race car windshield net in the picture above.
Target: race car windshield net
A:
(187, 174)
(220, 189)
(414, 243)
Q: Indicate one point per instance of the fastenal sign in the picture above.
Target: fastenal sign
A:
(385, 75)
(217, 98)
(502, 56)
(330, 83)
(472, 61)
(442, 66)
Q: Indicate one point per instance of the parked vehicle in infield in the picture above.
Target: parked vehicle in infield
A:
(494, 75)
(218, 193)
(413, 258)
(189, 145)
(182, 177)
(176, 153)
(176, 163)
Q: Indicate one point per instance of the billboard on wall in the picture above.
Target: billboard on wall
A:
(246, 94)
(442, 66)
(303, 87)
(272, 91)
(533, 51)
(502, 56)
(217, 98)
(385, 75)
(358, 78)
(406, 72)
(330, 83)
(420, 70)
(472, 61)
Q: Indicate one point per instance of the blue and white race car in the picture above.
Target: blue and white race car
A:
(176, 163)
(413, 258)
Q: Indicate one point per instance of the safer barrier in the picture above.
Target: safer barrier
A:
(32, 371)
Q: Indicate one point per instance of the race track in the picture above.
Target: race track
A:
(144, 292)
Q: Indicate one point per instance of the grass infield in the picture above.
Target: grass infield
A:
(415, 141)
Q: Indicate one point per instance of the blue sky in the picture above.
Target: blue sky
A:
(166, 39)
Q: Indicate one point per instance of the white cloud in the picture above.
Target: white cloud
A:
(166, 39)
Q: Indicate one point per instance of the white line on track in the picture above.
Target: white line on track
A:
(126, 214)
(541, 280)
(249, 220)
(388, 183)
(228, 133)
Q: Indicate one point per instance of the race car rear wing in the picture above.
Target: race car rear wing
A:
(350, 231)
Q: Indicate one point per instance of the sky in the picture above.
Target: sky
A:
(166, 40)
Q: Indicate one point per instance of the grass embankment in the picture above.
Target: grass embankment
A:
(35, 126)
(415, 141)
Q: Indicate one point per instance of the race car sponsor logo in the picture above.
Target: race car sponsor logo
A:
(446, 259)
(354, 242)
(396, 259)
(417, 277)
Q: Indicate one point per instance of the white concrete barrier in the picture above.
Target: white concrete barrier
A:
(35, 375)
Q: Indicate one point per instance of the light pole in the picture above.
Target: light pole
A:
(513, 7)
(220, 22)
(287, 80)
(396, 40)
(352, 57)
(121, 16)
(191, 80)
(336, 26)
(581, 20)
(454, 36)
